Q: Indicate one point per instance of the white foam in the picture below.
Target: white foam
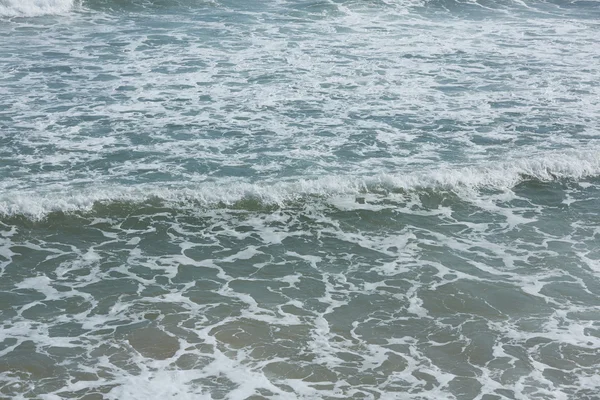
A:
(31, 8)
(41, 284)
(464, 181)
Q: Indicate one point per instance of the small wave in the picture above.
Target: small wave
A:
(32, 8)
(465, 182)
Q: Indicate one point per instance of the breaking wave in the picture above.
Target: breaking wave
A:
(32, 8)
(464, 182)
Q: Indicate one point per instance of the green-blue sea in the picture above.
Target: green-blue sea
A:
(300, 199)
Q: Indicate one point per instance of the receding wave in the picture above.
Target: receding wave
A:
(32, 8)
(465, 182)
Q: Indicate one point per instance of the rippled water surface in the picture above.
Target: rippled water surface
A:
(299, 199)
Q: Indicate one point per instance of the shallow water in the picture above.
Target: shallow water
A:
(299, 199)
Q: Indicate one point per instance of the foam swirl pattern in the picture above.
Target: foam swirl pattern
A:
(298, 199)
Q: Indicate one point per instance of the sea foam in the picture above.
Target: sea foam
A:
(465, 181)
(32, 8)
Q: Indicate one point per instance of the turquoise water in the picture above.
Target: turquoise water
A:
(299, 199)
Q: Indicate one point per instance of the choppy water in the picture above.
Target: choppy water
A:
(299, 199)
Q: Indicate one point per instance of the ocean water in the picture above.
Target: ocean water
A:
(299, 199)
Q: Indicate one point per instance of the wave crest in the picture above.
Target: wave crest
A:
(465, 182)
(32, 8)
